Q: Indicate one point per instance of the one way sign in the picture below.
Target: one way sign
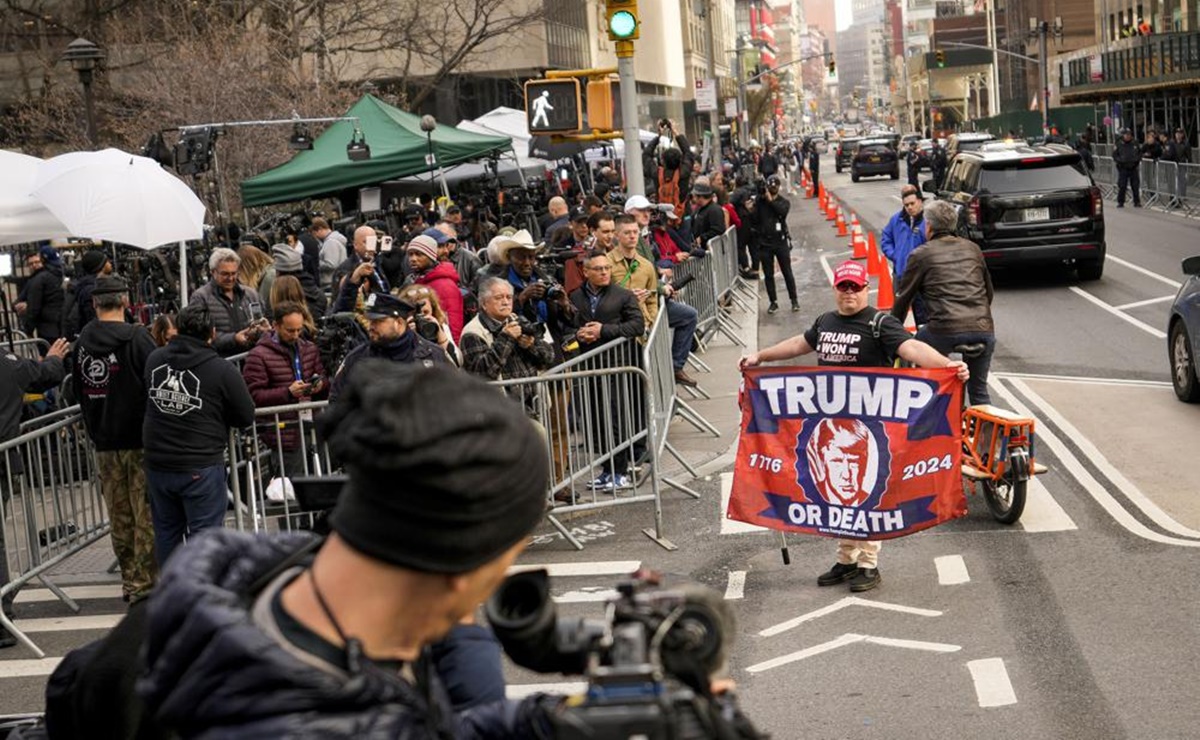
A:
(553, 106)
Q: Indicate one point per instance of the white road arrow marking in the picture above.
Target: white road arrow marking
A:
(850, 639)
(842, 604)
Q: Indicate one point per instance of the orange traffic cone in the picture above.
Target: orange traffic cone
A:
(821, 197)
(872, 255)
(886, 298)
(860, 244)
(841, 223)
(855, 229)
(831, 208)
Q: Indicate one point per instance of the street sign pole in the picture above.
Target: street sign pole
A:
(635, 182)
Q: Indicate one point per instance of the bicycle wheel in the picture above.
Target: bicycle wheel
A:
(1006, 497)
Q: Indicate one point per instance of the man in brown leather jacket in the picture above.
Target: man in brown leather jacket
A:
(950, 275)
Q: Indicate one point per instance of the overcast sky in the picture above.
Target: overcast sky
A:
(843, 14)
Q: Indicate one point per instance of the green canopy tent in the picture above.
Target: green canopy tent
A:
(398, 148)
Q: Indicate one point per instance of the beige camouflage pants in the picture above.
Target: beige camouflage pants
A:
(123, 485)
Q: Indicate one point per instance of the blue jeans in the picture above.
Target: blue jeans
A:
(682, 319)
(977, 388)
(184, 503)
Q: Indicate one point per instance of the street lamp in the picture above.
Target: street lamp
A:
(84, 56)
(429, 125)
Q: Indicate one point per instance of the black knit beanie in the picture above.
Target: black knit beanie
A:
(446, 473)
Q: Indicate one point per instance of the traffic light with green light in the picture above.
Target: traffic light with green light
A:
(832, 68)
(941, 58)
(623, 23)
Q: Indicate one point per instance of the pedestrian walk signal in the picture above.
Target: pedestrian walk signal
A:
(623, 24)
(553, 106)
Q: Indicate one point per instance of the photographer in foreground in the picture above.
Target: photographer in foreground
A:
(367, 633)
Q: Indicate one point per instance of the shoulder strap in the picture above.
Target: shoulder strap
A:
(877, 323)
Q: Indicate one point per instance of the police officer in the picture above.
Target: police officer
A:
(391, 339)
(937, 164)
(1127, 155)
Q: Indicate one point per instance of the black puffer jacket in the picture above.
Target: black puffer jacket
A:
(212, 672)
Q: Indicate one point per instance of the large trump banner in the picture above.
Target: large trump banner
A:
(855, 453)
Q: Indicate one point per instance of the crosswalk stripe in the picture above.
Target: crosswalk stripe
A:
(28, 668)
(568, 570)
(520, 691)
(69, 624)
(41, 595)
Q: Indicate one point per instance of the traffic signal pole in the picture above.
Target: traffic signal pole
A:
(635, 181)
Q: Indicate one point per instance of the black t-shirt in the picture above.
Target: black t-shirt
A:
(850, 340)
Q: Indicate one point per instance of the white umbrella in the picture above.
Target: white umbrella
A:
(23, 219)
(120, 197)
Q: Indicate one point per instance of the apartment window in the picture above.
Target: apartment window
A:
(566, 34)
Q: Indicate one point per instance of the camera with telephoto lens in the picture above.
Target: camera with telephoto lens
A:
(427, 328)
(760, 187)
(649, 663)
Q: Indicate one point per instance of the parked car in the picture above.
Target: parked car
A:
(874, 157)
(1027, 204)
(845, 152)
(1183, 333)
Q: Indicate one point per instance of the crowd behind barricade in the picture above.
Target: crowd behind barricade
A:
(280, 327)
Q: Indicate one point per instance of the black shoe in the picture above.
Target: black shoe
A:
(839, 573)
(773, 307)
(865, 580)
(6, 639)
(795, 308)
(1120, 205)
(1137, 205)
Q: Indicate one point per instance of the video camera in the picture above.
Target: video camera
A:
(649, 663)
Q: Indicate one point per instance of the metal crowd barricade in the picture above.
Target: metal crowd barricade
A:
(1149, 182)
(50, 507)
(28, 349)
(658, 363)
(1105, 176)
(263, 460)
(597, 420)
(700, 292)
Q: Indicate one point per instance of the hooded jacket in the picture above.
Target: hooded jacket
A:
(443, 280)
(17, 377)
(195, 397)
(213, 671)
(109, 374)
(44, 298)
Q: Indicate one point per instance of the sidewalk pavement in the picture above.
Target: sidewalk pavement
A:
(704, 452)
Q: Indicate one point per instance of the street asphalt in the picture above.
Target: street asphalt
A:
(1077, 622)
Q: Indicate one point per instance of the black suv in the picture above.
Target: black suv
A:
(845, 152)
(874, 157)
(966, 142)
(1024, 204)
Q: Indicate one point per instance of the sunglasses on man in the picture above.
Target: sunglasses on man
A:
(848, 287)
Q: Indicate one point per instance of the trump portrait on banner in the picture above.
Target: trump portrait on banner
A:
(842, 459)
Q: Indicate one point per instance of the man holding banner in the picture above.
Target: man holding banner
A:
(856, 454)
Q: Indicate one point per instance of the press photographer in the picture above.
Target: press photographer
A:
(500, 344)
(769, 221)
